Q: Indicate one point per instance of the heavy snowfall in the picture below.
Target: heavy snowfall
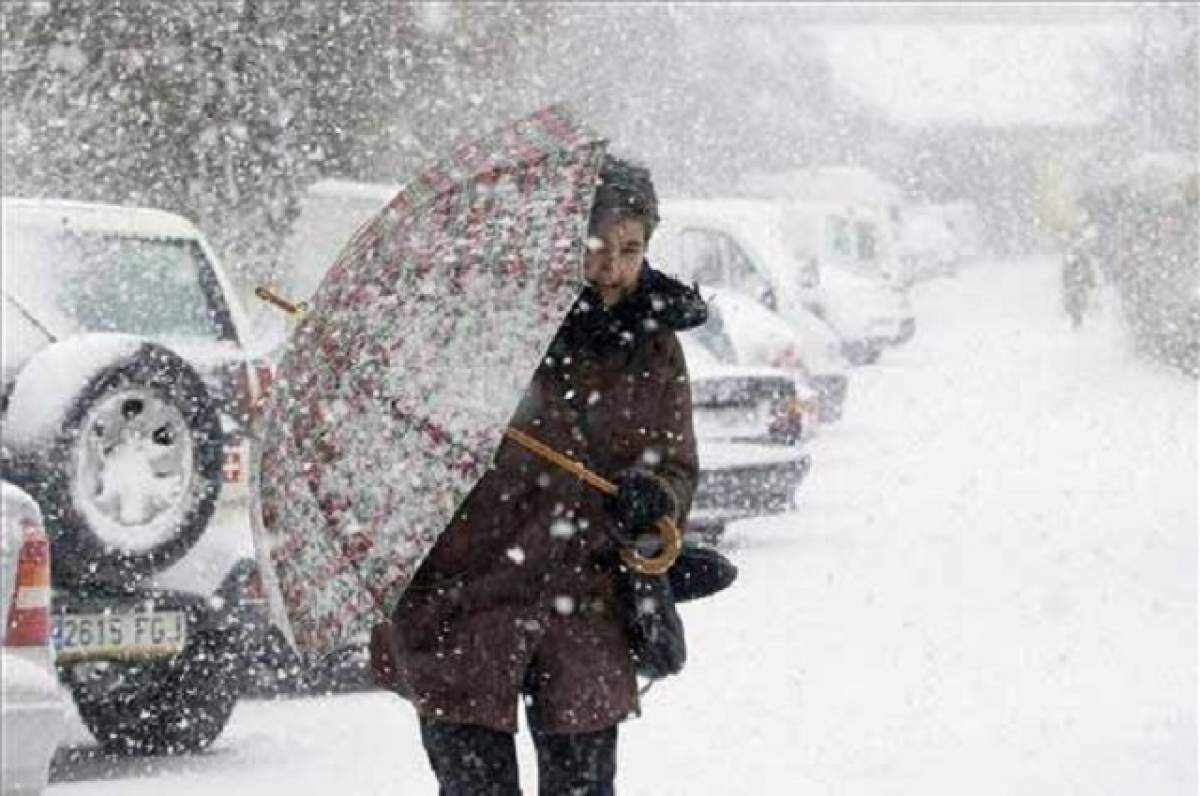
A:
(946, 399)
(989, 587)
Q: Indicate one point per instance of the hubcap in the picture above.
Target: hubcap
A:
(134, 469)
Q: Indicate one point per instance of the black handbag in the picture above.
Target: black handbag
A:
(655, 630)
(700, 572)
(656, 637)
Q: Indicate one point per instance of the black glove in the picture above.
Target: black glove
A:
(641, 500)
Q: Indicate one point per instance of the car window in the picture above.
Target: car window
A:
(702, 256)
(714, 337)
(714, 258)
(744, 275)
(88, 282)
(22, 336)
(866, 240)
(741, 269)
(841, 237)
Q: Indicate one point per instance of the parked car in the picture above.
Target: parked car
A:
(937, 239)
(743, 403)
(882, 310)
(846, 216)
(127, 395)
(848, 272)
(33, 708)
(736, 244)
(742, 331)
(749, 422)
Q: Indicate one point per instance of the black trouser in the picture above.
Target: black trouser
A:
(476, 761)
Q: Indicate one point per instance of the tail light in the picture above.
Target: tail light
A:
(254, 378)
(264, 374)
(787, 359)
(254, 591)
(787, 421)
(29, 614)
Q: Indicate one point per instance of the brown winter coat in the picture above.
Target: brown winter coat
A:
(515, 596)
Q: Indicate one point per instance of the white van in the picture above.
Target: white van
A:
(739, 244)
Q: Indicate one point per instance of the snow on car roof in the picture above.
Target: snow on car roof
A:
(753, 222)
(759, 224)
(111, 219)
(747, 320)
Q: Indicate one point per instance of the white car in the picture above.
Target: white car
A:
(742, 331)
(745, 403)
(749, 423)
(927, 244)
(33, 709)
(126, 406)
(739, 244)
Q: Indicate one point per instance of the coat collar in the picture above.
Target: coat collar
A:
(658, 302)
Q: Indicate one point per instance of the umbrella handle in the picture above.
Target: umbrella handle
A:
(668, 531)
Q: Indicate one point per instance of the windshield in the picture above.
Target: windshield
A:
(76, 281)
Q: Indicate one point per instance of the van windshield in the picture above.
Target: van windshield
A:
(75, 281)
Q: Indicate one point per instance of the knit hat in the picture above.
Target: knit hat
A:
(625, 190)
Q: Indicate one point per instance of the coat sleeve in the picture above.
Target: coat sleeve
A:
(679, 465)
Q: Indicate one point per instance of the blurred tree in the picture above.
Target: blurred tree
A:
(224, 111)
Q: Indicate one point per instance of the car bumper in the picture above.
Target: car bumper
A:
(34, 721)
(759, 482)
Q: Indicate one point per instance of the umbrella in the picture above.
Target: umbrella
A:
(396, 387)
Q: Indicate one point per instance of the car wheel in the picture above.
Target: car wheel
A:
(129, 469)
(860, 352)
(165, 706)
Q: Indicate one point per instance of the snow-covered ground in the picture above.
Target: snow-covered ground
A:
(990, 588)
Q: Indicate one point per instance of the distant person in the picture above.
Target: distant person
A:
(1078, 279)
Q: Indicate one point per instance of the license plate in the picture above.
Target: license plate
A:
(119, 635)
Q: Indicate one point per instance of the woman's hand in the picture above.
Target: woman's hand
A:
(641, 500)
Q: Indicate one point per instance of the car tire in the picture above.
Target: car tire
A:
(860, 352)
(144, 411)
(161, 706)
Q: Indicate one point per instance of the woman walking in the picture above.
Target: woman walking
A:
(518, 599)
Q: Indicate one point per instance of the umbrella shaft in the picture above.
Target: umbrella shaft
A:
(570, 465)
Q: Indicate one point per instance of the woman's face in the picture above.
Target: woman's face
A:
(614, 258)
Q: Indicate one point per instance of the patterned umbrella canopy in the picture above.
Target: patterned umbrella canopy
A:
(396, 386)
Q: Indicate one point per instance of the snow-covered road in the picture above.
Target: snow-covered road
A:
(990, 588)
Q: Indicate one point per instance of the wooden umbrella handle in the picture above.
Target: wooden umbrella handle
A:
(669, 536)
